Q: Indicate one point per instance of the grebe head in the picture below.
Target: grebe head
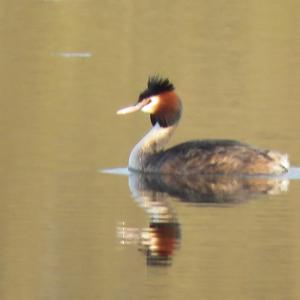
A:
(160, 101)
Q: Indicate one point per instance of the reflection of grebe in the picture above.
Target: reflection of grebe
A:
(206, 189)
(193, 157)
(151, 191)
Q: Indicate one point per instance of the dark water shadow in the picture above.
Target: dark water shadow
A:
(153, 193)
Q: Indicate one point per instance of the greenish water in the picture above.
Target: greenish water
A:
(71, 232)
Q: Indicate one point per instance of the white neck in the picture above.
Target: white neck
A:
(151, 143)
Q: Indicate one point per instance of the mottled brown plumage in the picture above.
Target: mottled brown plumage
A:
(213, 157)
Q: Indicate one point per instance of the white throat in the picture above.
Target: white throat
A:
(151, 143)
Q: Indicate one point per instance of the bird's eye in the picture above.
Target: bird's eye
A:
(150, 104)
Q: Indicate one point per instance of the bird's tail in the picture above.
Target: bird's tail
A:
(280, 162)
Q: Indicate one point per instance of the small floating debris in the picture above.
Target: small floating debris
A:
(73, 54)
(52, 0)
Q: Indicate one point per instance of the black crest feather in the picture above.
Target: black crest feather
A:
(156, 85)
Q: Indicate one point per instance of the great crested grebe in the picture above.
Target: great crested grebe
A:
(194, 157)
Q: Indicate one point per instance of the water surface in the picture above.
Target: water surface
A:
(71, 232)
